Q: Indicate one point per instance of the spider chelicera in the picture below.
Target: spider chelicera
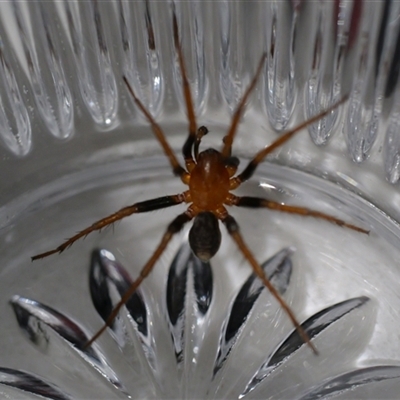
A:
(211, 177)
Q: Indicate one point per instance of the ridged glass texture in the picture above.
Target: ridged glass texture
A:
(189, 375)
(345, 48)
(316, 51)
(62, 95)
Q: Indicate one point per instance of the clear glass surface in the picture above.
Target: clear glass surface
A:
(75, 149)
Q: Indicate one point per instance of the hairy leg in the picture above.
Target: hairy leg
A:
(188, 145)
(174, 227)
(253, 164)
(202, 131)
(228, 140)
(176, 167)
(144, 206)
(257, 202)
(233, 229)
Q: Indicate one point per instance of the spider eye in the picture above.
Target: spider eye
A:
(205, 236)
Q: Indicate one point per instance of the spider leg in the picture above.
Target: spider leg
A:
(228, 140)
(256, 202)
(233, 229)
(202, 131)
(176, 167)
(188, 145)
(253, 164)
(229, 152)
(144, 206)
(174, 227)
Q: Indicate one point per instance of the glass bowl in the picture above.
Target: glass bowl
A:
(75, 149)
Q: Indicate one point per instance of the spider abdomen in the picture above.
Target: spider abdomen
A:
(205, 236)
(209, 181)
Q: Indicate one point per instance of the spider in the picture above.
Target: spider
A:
(211, 176)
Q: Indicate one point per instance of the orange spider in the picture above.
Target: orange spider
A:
(210, 176)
